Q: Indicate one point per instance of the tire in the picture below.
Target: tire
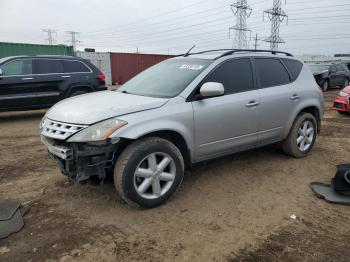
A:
(343, 112)
(325, 86)
(291, 146)
(133, 188)
(77, 93)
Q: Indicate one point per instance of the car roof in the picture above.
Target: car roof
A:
(216, 54)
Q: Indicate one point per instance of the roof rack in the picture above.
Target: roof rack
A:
(232, 51)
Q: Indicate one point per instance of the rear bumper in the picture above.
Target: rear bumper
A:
(342, 104)
(81, 160)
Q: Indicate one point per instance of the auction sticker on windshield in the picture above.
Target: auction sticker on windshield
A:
(192, 67)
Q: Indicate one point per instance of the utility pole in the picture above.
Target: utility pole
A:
(276, 16)
(73, 38)
(256, 39)
(242, 11)
(50, 33)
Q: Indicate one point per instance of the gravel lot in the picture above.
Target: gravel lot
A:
(236, 208)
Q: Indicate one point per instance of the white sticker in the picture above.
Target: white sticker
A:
(192, 67)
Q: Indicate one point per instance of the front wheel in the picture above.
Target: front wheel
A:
(301, 137)
(325, 86)
(343, 112)
(148, 172)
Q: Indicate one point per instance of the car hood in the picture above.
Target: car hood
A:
(94, 107)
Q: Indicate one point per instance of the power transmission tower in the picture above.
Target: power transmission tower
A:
(276, 16)
(242, 11)
(50, 33)
(73, 38)
(256, 39)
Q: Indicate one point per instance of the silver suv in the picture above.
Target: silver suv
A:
(183, 111)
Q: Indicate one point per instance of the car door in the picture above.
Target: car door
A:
(278, 98)
(334, 77)
(342, 75)
(230, 122)
(17, 85)
(50, 77)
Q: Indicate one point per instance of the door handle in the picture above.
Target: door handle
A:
(27, 78)
(252, 104)
(65, 76)
(294, 97)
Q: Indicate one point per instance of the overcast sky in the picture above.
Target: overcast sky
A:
(159, 26)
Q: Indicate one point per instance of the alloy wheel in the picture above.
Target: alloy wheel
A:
(306, 135)
(154, 175)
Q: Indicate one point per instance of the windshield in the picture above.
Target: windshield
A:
(318, 68)
(166, 79)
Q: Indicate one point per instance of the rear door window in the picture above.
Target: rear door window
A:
(17, 67)
(49, 66)
(75, 67)
(271, 72)
(235, 75)
(293, 66)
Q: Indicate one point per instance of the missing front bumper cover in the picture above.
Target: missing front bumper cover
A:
(82, 160)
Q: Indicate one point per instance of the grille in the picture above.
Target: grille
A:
(59, 130)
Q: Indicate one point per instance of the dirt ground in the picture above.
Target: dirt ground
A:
(233, 209)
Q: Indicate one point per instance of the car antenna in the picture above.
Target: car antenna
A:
(188, 52)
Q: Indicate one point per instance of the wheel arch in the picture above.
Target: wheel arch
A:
(78, 87)
(171, 135)
(312, 109)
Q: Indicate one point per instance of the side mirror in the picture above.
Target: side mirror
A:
(211, 89)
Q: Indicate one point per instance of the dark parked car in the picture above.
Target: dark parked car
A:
(330, 75)
(34, 82)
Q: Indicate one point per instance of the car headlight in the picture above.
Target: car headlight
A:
(42, 123)
(98, 132)
(342, 93)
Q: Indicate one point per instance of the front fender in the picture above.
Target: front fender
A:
(171, 117)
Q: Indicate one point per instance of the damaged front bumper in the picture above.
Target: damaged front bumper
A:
(80, 161)
(342, 104)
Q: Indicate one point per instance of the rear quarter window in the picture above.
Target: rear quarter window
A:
(271, 72)
(294, 67)
(75, 67)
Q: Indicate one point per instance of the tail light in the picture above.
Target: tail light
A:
(101, 77)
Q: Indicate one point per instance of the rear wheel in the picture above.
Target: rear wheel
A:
(148, 172)
(302, 136)
(325, 86)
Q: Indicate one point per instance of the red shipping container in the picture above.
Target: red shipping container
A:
(124, 66)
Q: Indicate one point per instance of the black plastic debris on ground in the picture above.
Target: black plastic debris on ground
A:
(339, 190)
(326, 192)
(11, 217)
